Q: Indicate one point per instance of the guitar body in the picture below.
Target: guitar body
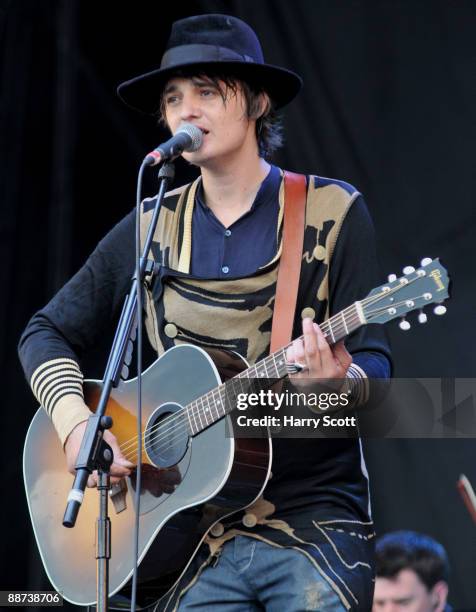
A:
(216, 476)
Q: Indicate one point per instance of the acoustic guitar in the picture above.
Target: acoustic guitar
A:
(195, 471)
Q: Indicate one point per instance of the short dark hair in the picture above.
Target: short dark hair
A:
(411, 550)
(268, 123)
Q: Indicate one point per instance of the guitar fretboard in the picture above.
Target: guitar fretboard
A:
(217, 403)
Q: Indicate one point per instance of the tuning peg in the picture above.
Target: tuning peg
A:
(426, 260)
(439, 310)
(404, 324)
(408, 269)
(392, 277)
(422, 318)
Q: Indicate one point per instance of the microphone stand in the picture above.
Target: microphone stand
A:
(95, 453)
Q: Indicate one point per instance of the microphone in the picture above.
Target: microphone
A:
(188, 137)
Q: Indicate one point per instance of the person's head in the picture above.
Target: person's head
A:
(217, 101)
(411, 574)
(213, 71)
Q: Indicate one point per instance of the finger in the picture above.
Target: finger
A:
(119, 470)
(290, 356)
(311, 348)
(119, 458)
(299, 351)
(296, 355)
(342, 355)
(115, 479)
(117, 473)
(327, 358)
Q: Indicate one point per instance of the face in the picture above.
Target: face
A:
(227, 132)
(407, 593)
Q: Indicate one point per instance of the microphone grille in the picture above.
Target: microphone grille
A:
(195, 134)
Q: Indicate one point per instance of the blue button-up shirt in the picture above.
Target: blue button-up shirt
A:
(243, 247)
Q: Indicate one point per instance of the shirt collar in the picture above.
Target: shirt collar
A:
(269, 190)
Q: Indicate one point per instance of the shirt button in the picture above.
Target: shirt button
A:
(319, 252)
(217, 530)
(308, 312)
(225, 269)
(170, 330)
(249, 520)
(228, 233)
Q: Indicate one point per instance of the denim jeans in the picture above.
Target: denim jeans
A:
(251, 575)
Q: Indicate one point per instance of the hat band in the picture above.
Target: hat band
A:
(193, 54)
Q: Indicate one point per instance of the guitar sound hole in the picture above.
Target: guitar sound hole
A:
(166, 436)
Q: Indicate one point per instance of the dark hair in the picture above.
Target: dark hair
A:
(410, 550)
(268, 123)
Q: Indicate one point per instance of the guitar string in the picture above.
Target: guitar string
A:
(199, 413)
(170, 432)
(395, 305)
(169, 437)
(178, 428)
(181, 417)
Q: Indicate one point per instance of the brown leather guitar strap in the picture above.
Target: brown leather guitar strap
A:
(290, 262)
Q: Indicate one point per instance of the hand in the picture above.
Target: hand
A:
(320, 361)
(119, 469)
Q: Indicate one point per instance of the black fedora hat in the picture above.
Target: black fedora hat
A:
(213, 42)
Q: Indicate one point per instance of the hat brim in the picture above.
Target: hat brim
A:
(143, 93)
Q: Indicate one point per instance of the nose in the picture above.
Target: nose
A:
(189, 108)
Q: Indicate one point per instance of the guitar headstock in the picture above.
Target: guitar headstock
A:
(412, 291)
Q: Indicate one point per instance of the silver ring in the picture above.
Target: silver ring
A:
(295, 368)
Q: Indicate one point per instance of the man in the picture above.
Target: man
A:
(411, 574)
(307, 542)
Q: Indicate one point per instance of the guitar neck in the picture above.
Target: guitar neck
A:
(219, 402)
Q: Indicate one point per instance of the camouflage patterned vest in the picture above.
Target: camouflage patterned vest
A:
(236, 313)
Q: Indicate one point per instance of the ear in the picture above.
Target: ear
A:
(265, 104)
(261, 105)
(439, 594)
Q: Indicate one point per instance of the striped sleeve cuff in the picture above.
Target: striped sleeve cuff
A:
(58, 386)
(358, 384)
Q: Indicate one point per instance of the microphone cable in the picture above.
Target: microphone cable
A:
(139, 384)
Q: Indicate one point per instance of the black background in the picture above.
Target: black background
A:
(388, 105)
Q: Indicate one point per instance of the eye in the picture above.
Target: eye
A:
(207, 92)
(170, 100)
